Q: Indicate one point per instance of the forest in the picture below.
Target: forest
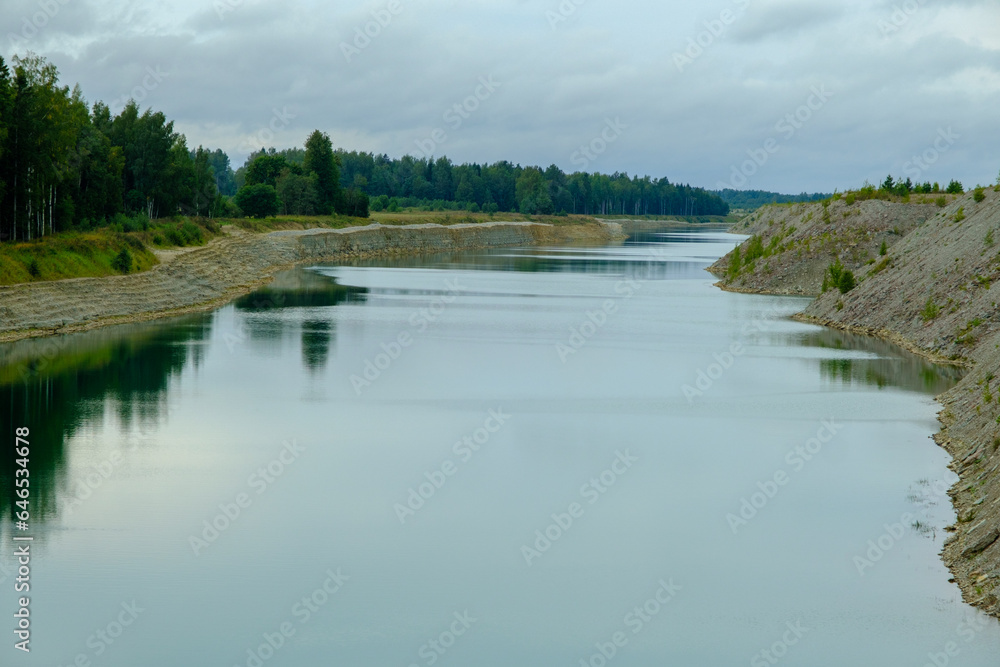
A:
(68, 165)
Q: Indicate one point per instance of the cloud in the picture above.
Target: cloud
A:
(786, 18)
(228, 74)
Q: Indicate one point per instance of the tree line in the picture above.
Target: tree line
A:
(503, 186)
(65, 164)
(754, 199)
(383, 183)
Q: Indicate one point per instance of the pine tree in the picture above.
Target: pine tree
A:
(320, 160)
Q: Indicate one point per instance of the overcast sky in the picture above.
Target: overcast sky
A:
(688, 90)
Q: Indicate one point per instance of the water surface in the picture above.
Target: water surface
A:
(517, 456)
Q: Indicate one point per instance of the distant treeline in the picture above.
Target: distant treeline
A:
(66, 165)
(438, 184)
(754, 199)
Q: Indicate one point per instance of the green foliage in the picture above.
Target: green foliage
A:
(320, 160)
(533, 193)
(978, 195)
(846, 282)
(959, 214)
(354, 204)
(735, 263)
(68, 166)
(931, 310)
(989, 239)
(258, 201)
(850, 198)
(754, 250)
(837, 276)
(883, 249)
(955, 188)
(122, 263)
(33, 269)
(299, 195)
(266, 169)
(941, 201)
(71, 255)
(750, 200)
(881, 266)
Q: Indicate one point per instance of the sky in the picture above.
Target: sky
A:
(781, 95)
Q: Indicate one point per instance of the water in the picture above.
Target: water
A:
(377, 445)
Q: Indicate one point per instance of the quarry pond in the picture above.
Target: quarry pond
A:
(531, 456)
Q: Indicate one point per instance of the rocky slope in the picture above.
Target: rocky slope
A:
(239, 262)
(934, 291)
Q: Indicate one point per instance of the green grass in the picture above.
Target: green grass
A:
(70, 255)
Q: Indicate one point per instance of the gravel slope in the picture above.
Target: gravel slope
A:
(238, 263)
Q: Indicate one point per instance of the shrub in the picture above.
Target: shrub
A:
(174, 236)
(931, 310)
(355, 203)
(735, 263)
(989, 239)
(191, 233)
(979, 195)
(846, 282)
(755, 249)
(941, 202)
(258, 201)
(850, 198)
(960, 214)
(33, 268)
(122, 263)
(884, 249)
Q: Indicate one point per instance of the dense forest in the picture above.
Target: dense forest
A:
(392, 184)
(67, 165)
(754, 199)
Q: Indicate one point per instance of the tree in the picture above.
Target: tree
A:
(225, 181)
(532, 192)
(266, 168)
(355, 203)
(955, 188)
(319, 160)
(258, 201)
(298, 193)
(6, 98)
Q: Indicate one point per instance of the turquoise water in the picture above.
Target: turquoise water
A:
(532, 457)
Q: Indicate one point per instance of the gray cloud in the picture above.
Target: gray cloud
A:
(227, 74)
(790, 17)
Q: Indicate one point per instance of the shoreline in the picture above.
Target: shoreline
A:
(926, 282)
(240, 262)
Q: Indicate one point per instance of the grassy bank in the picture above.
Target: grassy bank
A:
(100, 252)
(72, 255)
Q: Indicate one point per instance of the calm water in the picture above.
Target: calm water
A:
(524, 457)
